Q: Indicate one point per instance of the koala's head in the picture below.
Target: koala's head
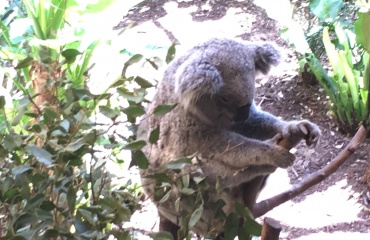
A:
(219, 110)
(217, 102)
(212, 90)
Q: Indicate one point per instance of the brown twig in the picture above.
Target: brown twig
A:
(263, 207)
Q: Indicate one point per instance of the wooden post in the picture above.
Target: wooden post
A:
(271, 229)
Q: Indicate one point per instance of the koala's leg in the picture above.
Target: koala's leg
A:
(250, 190)
(168, 226)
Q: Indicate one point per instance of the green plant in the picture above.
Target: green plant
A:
(363, 39)
(56, 137)
(332, 40)
(344, 84)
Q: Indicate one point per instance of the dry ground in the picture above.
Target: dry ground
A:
(334, 209)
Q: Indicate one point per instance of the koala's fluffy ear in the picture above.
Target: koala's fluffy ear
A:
(266, 56)
(196, 78)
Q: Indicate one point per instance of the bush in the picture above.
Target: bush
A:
(334, 40)
(56, 136)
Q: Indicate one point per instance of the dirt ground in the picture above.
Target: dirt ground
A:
(337, 208)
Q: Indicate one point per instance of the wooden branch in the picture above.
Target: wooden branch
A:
(263, 207)
(271, 229)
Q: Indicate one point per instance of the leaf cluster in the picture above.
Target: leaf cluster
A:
(183, 180)
(54, 179)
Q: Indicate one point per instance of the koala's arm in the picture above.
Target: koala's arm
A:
(263, 125)
(239, 152)
(259, 125)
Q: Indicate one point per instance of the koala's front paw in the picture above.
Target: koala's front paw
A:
(279, 156)
(294, 131)
(283, 158)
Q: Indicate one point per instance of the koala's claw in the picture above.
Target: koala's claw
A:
(295, 131)
(311, 133)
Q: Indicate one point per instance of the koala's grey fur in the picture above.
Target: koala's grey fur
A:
(211, 83)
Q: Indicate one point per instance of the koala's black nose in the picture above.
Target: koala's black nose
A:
(242, 113)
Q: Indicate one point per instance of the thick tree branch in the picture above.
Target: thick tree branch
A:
(263, 207)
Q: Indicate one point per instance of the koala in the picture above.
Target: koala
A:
(234, 144)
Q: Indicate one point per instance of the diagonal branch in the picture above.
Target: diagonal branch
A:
(263, 207)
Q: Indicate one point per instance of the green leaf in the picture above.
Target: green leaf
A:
(71, 198)
(362, 25)
(332, 53)
(24, 63)
(134, 59)
(47, 206)
(84, 221)
(187, 191)
(154, 135)
(49, 115)
(328, 83)
(177, 204)
(161, 236)
(2, 102)
(243, 211)
(10, 194)
(70, 55)
(161, 110)
(142, 82)
(51, 234)
(24, 219)
(17, 237)
(98, 6)
(12, 142)
(134, 146)
(195, 216)
(139, 159)
(16, 120)
(231, 226)
(82, 94)
(178, 163)
(4, 28)
(20, 169)
(171, 53)
(197, 180)
(108, 112)
(36, 128)
(40, 154)
(325, 9)
(152, 63)
(160, 177)
(165, 197)
(74, 146)
(137, 96)
(186, 180)
(35, 202)
(134, 111)
(31, 114)
(252, 227)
